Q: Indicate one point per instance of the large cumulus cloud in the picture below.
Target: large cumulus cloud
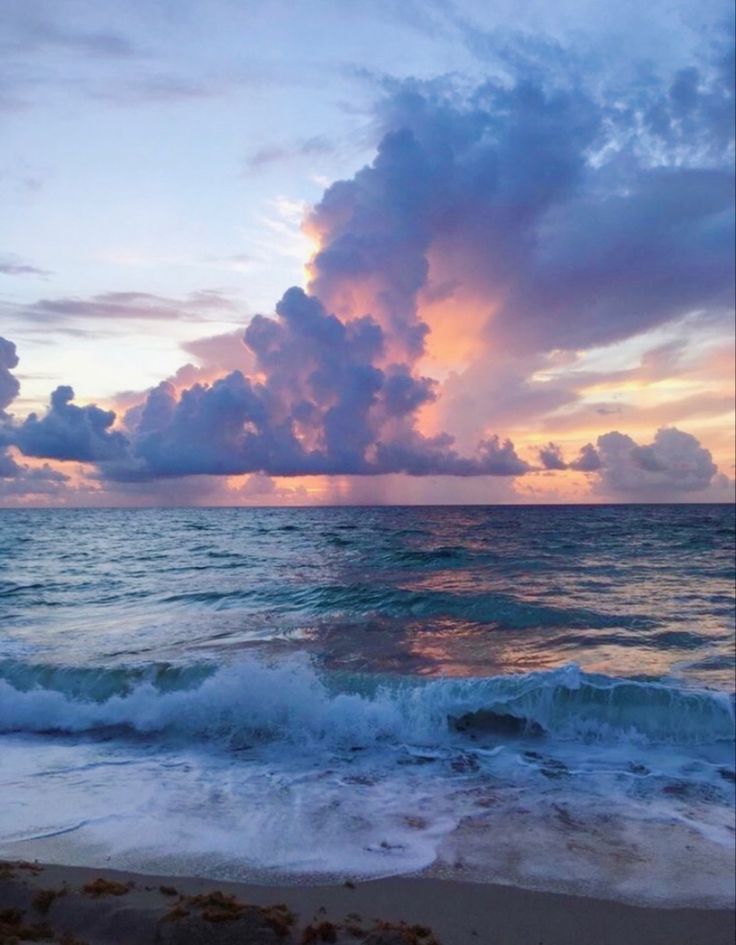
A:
(539, 197)
(69, 432)
(567, 216)
(536, 216)
(17, 478)
(318, 403)
(674, 463)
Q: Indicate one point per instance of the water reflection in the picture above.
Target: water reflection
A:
(450, 591)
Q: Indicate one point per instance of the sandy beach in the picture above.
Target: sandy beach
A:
(74, 905)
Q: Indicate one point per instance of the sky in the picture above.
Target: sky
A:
(398, 251)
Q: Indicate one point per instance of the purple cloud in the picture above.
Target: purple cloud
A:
(124, 306)
(9, 385)
(69, 432)
(578, 217)
(323, 405)
(673, 463)
(11, 266)
(588, 460)
(550, 456)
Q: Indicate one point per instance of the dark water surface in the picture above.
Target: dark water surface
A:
(432, 591)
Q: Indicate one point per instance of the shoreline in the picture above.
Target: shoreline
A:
(135, 909)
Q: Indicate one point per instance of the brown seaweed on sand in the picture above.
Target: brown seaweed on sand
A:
(44, 898)
(322, 932)
(9, 867)
(217, 907)
(106, 887)
(13, 929)
(382, 933)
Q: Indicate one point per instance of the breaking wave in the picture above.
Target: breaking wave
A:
(292, 701)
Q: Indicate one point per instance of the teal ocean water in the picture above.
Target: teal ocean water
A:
(531, 695)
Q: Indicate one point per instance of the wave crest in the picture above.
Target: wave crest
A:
(291, 700)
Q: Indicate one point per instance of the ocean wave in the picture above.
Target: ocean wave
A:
(361, 599)
(254, 700)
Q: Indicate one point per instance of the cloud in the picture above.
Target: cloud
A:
(215, 355)
(550, 456)
(535, 217)
(674, 463)
(435, 456)
(504, 224)
(160, 88)
(221, 353)
(260, 488)
(69, 432)
(164, 88)
(11, 266)
(26, 33)
(9, 385)
(320, 405)
(263, 157)
(16, 479)
(21, 482)
(124, 306)
(9, 469)
(588, 460)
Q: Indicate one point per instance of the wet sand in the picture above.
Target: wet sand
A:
(73, 905)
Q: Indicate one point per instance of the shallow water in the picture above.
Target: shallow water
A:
(532, 695)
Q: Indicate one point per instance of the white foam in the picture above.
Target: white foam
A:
(259, 768)
(290, 700)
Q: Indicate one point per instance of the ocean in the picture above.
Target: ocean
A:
(538, 696)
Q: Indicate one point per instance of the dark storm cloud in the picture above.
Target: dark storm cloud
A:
(569, 211)
(9, 469)
(321, 407)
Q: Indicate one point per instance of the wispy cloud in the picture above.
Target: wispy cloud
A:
(23, 33)
(11, 265)
(268, 155)
(200, 306)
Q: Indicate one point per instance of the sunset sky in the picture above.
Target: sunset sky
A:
(406, 251)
